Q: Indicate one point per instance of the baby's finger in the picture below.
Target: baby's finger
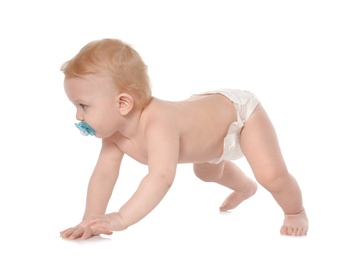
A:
(77, 233)
(66, 233)
(87, 234)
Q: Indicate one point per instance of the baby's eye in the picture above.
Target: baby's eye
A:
(83, 106)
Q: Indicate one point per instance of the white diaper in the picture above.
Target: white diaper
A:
(245, 103)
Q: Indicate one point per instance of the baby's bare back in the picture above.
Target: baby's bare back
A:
(204, 122)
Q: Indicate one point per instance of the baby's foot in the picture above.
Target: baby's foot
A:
(236, 197)
(295, 224)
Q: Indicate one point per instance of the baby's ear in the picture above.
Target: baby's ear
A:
(125, 103)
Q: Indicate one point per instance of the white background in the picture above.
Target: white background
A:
(290, 53)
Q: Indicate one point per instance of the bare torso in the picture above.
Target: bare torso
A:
(202, 121)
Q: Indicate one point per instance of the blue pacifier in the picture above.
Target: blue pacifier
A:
(85, 129)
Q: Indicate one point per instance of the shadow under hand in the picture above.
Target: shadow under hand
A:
(91, 240)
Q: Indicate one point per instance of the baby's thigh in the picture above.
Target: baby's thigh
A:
(260, 145)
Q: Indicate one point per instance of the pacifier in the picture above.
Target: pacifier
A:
(85, 129)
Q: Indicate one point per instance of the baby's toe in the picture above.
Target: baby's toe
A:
(284, 230)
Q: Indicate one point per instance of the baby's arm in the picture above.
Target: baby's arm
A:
(163, 152)
(100, 188)
(103, 180)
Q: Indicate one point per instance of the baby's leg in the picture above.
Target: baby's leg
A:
(228, 175)
(260, 146)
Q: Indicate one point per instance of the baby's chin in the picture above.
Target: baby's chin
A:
(103, 135)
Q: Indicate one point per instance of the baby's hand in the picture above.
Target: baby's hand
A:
(295, 224)
(94, 226)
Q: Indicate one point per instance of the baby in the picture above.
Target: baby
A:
(107, 81)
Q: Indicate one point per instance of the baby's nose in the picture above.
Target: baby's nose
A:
(79, 116)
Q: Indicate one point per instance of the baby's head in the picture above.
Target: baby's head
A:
(117, 61)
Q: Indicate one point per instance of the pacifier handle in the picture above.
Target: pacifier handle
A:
(85, 129)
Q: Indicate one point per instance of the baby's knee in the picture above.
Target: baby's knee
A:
(208, 172)
(272, 179)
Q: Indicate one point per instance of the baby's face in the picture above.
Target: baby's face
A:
(96, 102)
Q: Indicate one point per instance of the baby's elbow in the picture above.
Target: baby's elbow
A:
(166, 179)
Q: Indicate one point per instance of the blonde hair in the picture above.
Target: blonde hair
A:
(114, 58)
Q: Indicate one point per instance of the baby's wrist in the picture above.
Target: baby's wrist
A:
(117, 222)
